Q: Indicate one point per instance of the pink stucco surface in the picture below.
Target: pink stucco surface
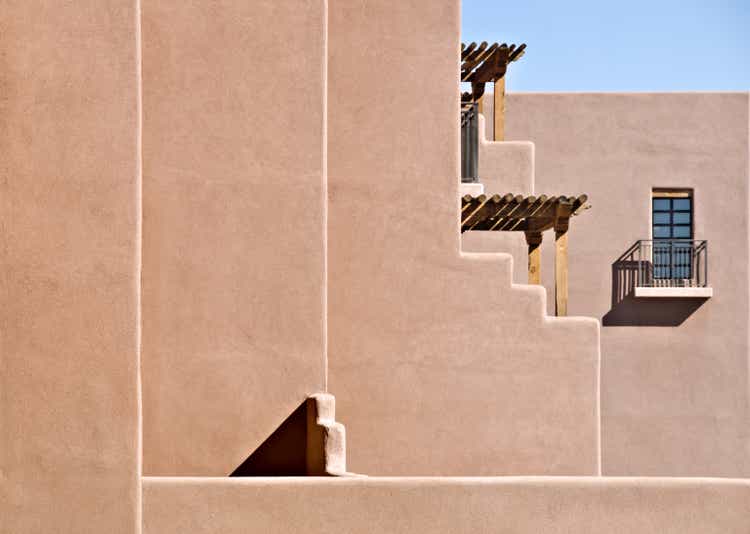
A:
(439, 365)
(248, 203)
(447, 505)
(233, 230)
(675, 399)
(506, 167)
(69, 218)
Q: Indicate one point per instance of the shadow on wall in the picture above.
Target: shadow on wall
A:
(627, 310)
(283, 453)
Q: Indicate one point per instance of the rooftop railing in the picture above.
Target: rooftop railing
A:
(469, 143)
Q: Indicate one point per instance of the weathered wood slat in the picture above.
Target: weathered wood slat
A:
(501, 207)
(468, 50)
(476, 52)
(516, 53)
(467, 65)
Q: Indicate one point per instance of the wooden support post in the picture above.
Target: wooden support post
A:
(534, 240)
(498, 110)
(561, 273)
(561, 267)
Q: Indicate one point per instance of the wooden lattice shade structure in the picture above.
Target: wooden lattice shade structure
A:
(517, 212)
(531, 215)
(487, 63)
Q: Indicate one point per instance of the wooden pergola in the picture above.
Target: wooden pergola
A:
(531, 215)
(485, 63)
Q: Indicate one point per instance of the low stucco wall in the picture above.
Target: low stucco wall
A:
(439, 365)
(69, 256)
(675, 396)
(233, 244)
(447, 505)
(505, 164)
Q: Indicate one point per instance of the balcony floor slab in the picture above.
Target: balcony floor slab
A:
(674, 292)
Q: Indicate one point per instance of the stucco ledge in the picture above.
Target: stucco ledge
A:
(474, 189)
(672, 292)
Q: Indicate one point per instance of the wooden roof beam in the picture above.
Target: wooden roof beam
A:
(492, 68)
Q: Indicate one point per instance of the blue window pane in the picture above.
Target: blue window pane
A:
(661, 204)
(681, 231)
(680, 218)
(681, 204)
(661, 218)
(661, 232)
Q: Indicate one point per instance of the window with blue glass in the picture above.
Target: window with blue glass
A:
(672, 231)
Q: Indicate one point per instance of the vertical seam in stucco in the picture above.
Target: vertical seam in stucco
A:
(324, 189)
(139, 263)
(599, 400)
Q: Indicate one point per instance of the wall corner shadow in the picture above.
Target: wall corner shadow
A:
(627, 310)
(283, 453)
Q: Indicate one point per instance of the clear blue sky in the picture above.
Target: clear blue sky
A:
(618, 45)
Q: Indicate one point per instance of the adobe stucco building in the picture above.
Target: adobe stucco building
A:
(674, 377)
(218, 216)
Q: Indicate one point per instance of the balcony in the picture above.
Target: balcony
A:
(668, 268)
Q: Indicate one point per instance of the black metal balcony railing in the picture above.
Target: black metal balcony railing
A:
(469, 143)
(668, 263)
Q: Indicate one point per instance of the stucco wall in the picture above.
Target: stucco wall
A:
(675, 399)
(439, 365)
(69, 216)
(234, 253)
(447, 505)
(508, 167)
